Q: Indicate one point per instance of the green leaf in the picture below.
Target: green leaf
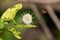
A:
(10, 13)
(24, 26)
(15, 32)
(6, 35)
(1, 39)
(1, 24)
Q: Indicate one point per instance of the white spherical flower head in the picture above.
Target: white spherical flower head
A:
(27, 18)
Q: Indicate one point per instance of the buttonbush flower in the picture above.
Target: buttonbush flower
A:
(27, 18)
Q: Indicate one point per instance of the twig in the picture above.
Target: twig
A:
(42, 22)
(53, 15)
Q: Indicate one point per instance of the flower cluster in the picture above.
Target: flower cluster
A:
(27, 18)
